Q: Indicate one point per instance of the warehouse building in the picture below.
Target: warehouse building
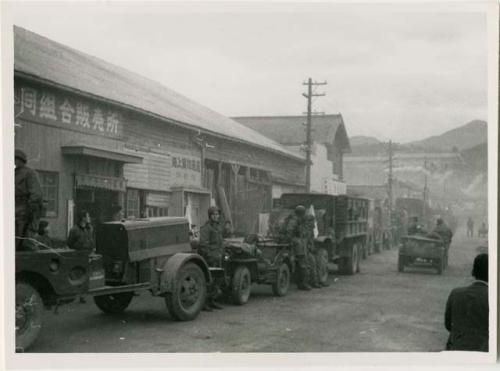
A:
(100, 135)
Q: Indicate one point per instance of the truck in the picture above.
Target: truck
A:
(342, 223)
(134, 255)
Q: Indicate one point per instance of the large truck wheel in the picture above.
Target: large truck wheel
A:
(113, 303)
(322, 257)
(349, 265)
(185, 302)
(29, 313)
(241, 285)
(282, 283)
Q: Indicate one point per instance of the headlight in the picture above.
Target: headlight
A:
(54, 265)
(226, 257)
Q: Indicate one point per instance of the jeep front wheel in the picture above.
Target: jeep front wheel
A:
(186, 300)
(241, 287)
(113, 303)
(282, 283)
(29, 312)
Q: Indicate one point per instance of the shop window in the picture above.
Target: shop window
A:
(50, 190)
(154, 211)
(133, 206)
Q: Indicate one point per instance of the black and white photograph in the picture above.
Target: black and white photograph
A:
(245, 179)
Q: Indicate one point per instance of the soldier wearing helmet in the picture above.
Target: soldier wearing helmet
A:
(28, 201)
(293, 234)
(311, 253)
(211, 249)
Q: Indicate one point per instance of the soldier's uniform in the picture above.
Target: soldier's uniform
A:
(28, 201)
(311, 253)
(211, 248)
(295, 237)
(211, 243)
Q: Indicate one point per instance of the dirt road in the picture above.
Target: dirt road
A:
(376, 310)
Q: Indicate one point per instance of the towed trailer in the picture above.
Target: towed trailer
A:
(147, 254)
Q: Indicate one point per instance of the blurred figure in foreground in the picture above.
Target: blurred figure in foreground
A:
(467, 311)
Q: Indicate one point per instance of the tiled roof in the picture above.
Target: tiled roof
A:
(291, 129)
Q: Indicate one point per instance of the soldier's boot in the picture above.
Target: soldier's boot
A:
(304, 281)
(207, 307)
(215, 305)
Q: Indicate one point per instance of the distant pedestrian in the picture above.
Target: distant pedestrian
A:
(470, 227)
(467, 311)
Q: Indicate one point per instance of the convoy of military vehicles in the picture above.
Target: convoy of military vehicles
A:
(155, 255)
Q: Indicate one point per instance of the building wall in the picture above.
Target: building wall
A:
(48, 119)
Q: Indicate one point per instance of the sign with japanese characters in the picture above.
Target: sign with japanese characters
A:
(64, 110)
(186, 170)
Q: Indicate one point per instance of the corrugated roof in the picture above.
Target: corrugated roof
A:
(45, 59)
(291, 129)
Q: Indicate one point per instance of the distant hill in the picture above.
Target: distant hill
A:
(362, 140)
(467, 136)
(476, 158)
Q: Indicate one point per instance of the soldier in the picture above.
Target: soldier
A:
(28, 199)
(470, 227)
(312, 258)
(294, 236)
(211, 249)
(443, 231)
(81, 236)
(414, 227)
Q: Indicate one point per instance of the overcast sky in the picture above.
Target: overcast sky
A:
(393, 75)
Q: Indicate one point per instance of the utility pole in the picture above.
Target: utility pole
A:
(389, 180)
(424, 213)
(309, 128)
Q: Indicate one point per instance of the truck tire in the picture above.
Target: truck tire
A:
(29, 313)
(401, 263)
(349, 265)
(282, 283)
(113, 303)
(322, 257)
(241, 285)
(185, 302)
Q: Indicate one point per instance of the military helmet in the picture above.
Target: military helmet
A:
(212, 210)
(20, 155)
(300, 210)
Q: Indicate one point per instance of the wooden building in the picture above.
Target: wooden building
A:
(330, 143)
(100, 135)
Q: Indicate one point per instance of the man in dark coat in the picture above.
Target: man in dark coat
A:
(467, 311)
(28, 201)
(211, 248)
(81, 236)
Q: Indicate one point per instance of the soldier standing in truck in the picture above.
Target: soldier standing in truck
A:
(28, 198)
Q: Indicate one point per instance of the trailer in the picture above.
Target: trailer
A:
(147, 254)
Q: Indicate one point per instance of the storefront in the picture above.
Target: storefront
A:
(100, 139)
